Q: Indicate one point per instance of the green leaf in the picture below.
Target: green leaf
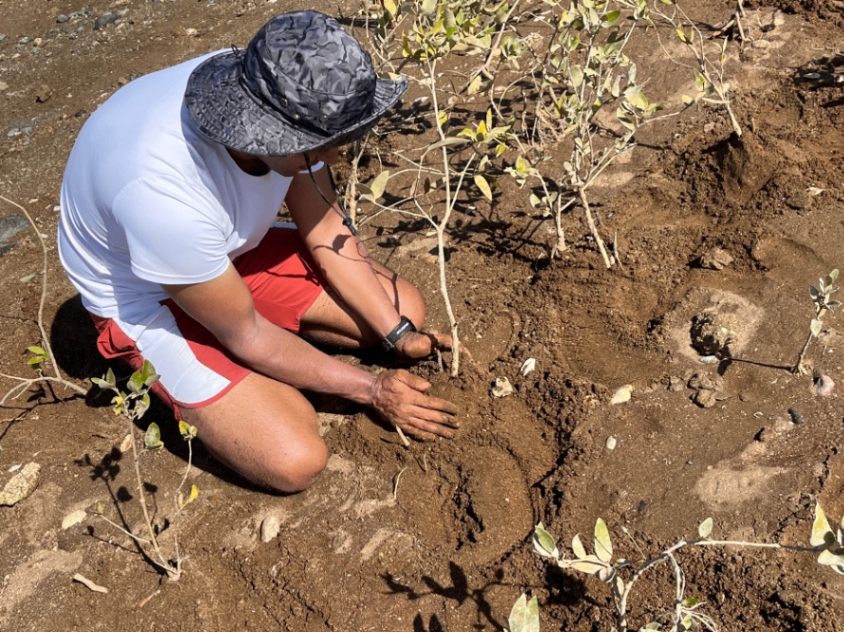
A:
(99, 507)
(690, 602)
(832, 276)
(136, 382)
(603, 544)
(448, 142)
(152, 437)
(524, 617)
(681, 35)
(35, 360)
(590, 565)
(612, 17)
(816, 326)
(483, 185)
(828, 558)
(36, 350)
(820, 528)
(110, 379)
(148, 374)
(429, 6)
(535, 202)
(543, 542)
(379, 184)
(578, 548)
(705, 528)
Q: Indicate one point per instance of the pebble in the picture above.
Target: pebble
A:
(2, 36)
(24, 40)
(796, 418)
(104, 20)
(823, 386)
(270, 527)
(62, 19)
(11, 226)
(611, 443)
(528, 367)
(502, 388)
(3, 86)
(13, 132)
(675, 384)
(21, 485)
(622, 395)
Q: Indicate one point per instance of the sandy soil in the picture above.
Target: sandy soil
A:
(437, 536)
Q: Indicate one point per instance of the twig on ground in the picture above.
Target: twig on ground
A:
(403, 437)
(396, 483)
(45, 341)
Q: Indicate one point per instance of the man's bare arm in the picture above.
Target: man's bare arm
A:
(224, 306)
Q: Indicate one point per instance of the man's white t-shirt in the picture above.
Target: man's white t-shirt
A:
(148, 200)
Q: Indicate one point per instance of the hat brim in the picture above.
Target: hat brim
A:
(225, 112)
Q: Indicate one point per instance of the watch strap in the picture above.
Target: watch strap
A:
(403, 328)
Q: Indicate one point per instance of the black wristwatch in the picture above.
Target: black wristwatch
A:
(404, 327)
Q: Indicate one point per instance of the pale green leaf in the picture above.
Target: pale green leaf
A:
(429, 6)
(578, 548)
(152, 437)
(483, 185)
(379, 184)
(815, 326)
(543, 542)
(603, 544)
(474, 86)
(820, 528)
(36, 350)
(705, 528)
(524, 617)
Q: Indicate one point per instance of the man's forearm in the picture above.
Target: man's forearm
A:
(284, 356)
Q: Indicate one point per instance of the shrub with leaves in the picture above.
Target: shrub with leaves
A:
(133, 404)
(823, 303)
(621, 574)
(582, 72)
(425, 34)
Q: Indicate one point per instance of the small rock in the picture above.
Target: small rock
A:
(62, 19)
(37, 41)
(622, 395)
(28, 278)
(122, 81)
(675, 384)
(21, 485)
(796, 418)
(760, 43)
(611, 443)
(24, 40)
(74, 517)
(705, 399)
(2, 36)
(181, 31)
(528, 367)
(3, 86)
(710, 359)
(711, 333)
(43, 94)
(716, 259)
(501, 388)
(81, 113)
(823, 385)
(799, 201)
(104, 20)
(270, 527)
(11, 226)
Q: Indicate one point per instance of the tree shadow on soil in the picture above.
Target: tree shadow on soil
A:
(565, 590)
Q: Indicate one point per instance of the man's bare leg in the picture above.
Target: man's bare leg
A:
(330, 321)
(264, 430)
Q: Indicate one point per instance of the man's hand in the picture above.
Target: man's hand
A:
(399, 398)
(418, 345)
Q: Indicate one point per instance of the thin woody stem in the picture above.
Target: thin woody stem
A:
(594, 229)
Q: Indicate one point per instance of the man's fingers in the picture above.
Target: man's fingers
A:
(428, 430)
(428, 414)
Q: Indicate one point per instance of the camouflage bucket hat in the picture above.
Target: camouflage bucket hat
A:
(303, 83)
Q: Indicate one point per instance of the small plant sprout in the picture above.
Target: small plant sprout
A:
(822, 304)
(133, 404)
(38, 358)
(621, 574)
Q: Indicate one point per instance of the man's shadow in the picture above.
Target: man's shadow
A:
(73, 338)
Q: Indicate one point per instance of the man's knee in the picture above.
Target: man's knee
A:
(297, 467)
(411, 304)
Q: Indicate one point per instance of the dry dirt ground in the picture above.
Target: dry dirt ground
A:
(446, 545)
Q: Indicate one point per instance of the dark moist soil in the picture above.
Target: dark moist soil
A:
(437, 536)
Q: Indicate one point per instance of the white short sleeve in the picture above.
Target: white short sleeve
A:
(191, 248)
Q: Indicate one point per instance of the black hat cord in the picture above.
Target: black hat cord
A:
(347, 220)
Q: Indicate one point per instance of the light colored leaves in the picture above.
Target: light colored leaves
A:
(482, 183)
(194, 493)
(375, 189)
(152, 437)
(603, 544)
(823, 535)
(816, 326)
(543, 542)
(524, 617)
(821, 531)
(705, 528)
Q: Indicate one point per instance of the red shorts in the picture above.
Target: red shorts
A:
(284, 282)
